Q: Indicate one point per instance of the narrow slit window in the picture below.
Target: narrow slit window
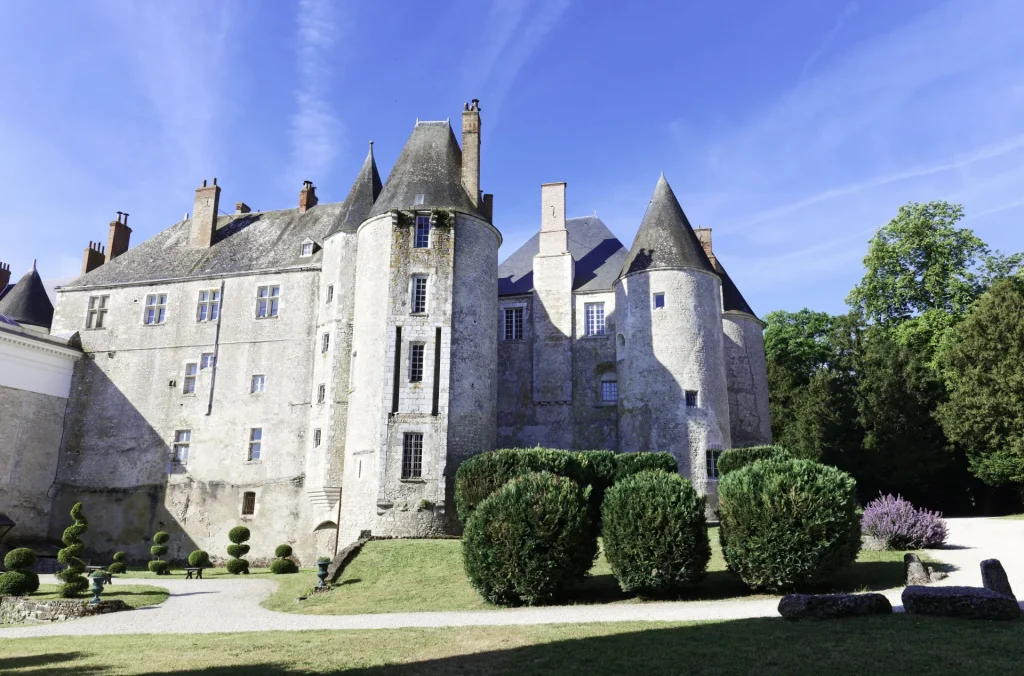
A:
(259, 384)
(422, 232)
(156, 309)
(419, 295)
(711, 457)
(180, 448)
(330, 293)
(96, 316)
(255, 443)
(189, 384)
(248, 503)
(416, 362)
(691, 399)
(412, 455)
(594, 318)
(513, 323)
(316, 438)
(208, 308)
(325, 343)
(321, 393)
(268, 299)
(659, 301)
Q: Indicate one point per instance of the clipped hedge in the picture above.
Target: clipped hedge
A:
(199, 559)
(118, 566)
(655, 533)
(787, 523)
(159, 567)
(628, 464)
(159, 548)
(19, 579)
(530, 540)
(237, 549)
(19, 558)
(282, 565)
(735, 458)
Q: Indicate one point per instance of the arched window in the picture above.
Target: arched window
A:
(609, 388)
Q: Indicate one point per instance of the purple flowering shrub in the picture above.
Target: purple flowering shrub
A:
(901, 526)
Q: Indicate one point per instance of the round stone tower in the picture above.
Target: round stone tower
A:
(670, 361)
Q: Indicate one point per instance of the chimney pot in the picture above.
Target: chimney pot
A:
(5, 275)
(204, 216)
(307, 197)
(471, 152)
(242, 208)
(117, 239)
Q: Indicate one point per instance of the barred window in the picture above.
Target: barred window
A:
(711, 456)
(259, 384)
(422, 232)
(609, 390)
(412, 455)
(268, 299)
(594, 318)
(96, 315)
(513, 323)
(416, 362)
(209, 306)
(182, 441)
(248, 503)
(189, 384)
(156, 309)
(691, 399)
(419, 294)
(255, 443)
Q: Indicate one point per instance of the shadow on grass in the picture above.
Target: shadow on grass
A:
(34, 662)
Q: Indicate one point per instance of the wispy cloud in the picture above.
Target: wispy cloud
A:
(317, 133)
(829, 38)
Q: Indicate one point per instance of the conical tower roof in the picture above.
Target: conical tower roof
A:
(665, 238)
(427, 174)
(27, 303)
(364, 192)
(732, 299)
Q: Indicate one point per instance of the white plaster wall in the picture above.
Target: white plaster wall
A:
(30, 364)
(747, 376)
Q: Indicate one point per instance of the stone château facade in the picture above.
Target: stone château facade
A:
(319, 371)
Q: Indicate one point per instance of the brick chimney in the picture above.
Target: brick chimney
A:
(5, 275)
(307, 197)
(204, 216)
(94, 257)
(554, 238)
(242, 208)
(120, 233)
(471, 151)
(704, 235)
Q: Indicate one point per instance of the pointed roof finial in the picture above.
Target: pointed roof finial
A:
(33, 265)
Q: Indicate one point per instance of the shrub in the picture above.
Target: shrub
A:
(159, 567)
(236, 550)
(283, 551)
(159, 549)
(787, 523)
(655, 533)
(71, 555)
(283, 567)
(199, 559)
(602, 468)
(900, 525)
(530, 540)
(19, 578)
(735, 458)
(118, 566)
(20, 558)
(628, 464)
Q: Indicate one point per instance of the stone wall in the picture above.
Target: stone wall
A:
(746, 372)
(20, 610)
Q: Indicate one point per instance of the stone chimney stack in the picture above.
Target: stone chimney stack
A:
(554, 238)
(307, 197)
(120, 233)
(5, 275)
(471, 151)
(488, 207)
(242, 208)
(204, 216)
(704, 235)
(94, 257)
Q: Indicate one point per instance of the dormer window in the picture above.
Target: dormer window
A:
(307, 248)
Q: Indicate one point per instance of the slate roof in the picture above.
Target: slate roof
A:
(665, 238)
(732, 299)
(364, 192)
(597, 252)
(3, 291)
(430, 165)
(27, 303)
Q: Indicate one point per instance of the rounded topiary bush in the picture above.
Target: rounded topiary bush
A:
(628, 464)
(282, 565)
(199, 559)
(529, 540)
(655, 533)
(236, 550)
(283, 551)
(118, 566)
(734, 458)
(18, 559)
(237, 566)
(19, 578)
(786, 523)
(71, 555)
(159, 567)
(159, 549)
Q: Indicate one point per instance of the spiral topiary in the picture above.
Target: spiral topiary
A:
(199, 559)
(118, 566)
(237, 549)
(158, 565)
(71, 556)
(282, 565)
(19, 579)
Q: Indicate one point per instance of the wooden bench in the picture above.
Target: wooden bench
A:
(197, 572)
(108, 578)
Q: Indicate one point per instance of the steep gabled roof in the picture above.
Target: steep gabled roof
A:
(732, 299)
(364, 192)
(430, 165)
(597, 252)
(27, 303)
(666, 238)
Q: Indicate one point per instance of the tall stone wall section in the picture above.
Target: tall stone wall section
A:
(747, 376)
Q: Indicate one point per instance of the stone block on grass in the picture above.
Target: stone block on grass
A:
(966, 602)
(831, 606)
(993, 578)
(914, 570)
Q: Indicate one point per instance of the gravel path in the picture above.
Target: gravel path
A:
(224, 604)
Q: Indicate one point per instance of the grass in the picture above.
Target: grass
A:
(1014, 517)
(179, 573)
(900, 644)
(394, 576)
(135, 596)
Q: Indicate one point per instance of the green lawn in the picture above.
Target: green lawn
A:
(179, 573)
(768, 647)
(1016, 517)
(136, 596)
(392, 576)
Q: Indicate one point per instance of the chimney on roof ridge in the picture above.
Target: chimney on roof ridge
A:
(471, 151)
(120, 233)
(204, 216)
(307, 197)
(704, 236)
(5, 276)
(94, 257)
(554, 238)
(242, 208)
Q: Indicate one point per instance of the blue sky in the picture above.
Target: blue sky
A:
(793, 129)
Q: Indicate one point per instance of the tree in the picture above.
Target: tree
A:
(982, 361)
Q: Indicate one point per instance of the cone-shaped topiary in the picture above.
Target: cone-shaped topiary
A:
(159, 548)
(282, 565)
(19, 579)
(237, 549)
(118, 566)
(71, 556)
(199, 559)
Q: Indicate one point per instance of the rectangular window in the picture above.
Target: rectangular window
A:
(206, 360)
(513, 323)
(189, 386)
(325, 342)
(307, 249)
(255, 443)
(330, 293)
(419, 295)
(321, 393)
(711, 458)
(267, 301)
(182, 441)
(412, 455)
(248, 503)
(609, 390)
(659, 301)
(316, 438)
(156, 309)
(691, 399)
(96, 316)
(422, 232)
(595, 318)
(259, 383)
(416, 362)
(209, 306)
